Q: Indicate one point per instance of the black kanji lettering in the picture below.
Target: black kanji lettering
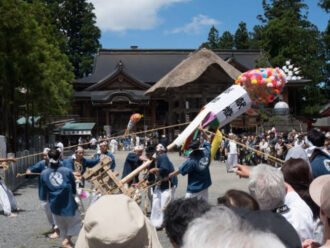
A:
(228, 111)
(240, 102)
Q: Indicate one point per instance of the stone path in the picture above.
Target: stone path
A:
(26, 230)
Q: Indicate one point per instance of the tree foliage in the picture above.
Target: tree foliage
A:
(287, 34)
(76, 21)
(324, 4)
(226, 41)
(242, 37)
(35, 75)
(256, 37)
(213, 38)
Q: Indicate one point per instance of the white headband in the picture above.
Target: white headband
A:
(46, 150)
(104, 143)
(138, 148)
(53, 161)
(79, 148)
(160, 147)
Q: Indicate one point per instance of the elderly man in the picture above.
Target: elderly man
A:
(220, 227)
(267, 186)
(133, 160)
(78, 164)
(104, 152)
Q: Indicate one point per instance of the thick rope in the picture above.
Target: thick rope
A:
(113, 137)
(161, 128)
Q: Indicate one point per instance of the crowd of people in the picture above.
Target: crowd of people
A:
(123, 143)
(285, 207)
(265, 144)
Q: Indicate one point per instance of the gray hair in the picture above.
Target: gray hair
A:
(267, 186)
(206, 229)
(222, 228)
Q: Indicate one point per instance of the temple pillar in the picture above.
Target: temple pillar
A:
(285, 95)
(107, 117)
(153, 113)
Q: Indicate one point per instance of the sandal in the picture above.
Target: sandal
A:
(54, 235)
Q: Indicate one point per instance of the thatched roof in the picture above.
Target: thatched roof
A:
(191, 69)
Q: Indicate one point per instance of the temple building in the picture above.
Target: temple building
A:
(167, 86)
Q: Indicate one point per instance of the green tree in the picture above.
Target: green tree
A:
(324, 4)
(276, 8)
(241, 37)
(226, 41)
(287, 34)
(76, 20)
(34, 73)
(256, 37)
(213, 38)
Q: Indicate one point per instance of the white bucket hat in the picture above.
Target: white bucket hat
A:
(116, 221)
(319, 191)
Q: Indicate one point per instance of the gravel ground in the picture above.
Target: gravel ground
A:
(28, 228)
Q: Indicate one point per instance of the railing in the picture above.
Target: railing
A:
(20, 166)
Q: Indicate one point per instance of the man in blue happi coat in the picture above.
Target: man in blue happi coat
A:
(78, 164)
(164, 192)
(39, 168)
(133, 160)
(197, 168)
(104, 152)
(58, 188)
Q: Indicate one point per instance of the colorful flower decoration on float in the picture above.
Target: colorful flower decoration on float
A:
(135, 118)
(263, 85)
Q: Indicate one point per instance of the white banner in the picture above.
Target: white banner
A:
(227, 106)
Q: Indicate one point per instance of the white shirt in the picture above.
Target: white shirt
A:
(263, 146)
(299, 143)
(232, 148)
(279, 149)
(93, 141)
(300, 216)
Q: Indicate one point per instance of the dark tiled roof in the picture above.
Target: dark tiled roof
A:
(113, 74)
(107, 95)
(149, 65)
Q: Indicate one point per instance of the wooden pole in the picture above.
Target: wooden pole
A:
(26, 174)
(171, 146)
(134, 173)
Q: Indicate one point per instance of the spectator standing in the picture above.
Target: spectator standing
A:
(319, 159)
(231, 153)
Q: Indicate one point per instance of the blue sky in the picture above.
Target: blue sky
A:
(178, 23)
